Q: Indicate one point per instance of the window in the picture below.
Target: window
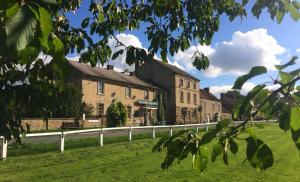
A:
(180, 82)
(195, 99)
(181, 96)
(146, 94)
(194, 115)
(188, 98)
(100, 109)
(100, 88)
(188, 84)
(128, 92)
(129, 110)
(195, 85)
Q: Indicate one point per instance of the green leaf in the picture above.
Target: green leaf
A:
(222, 124)
(85, 22)
(233, 146)
(200, 159)
(290, 63)
(284, 119)
(100, 17)
(216, 151)
(12, 10)
(259, 154)
(285, 77)
(208, 137)
(255, 71)
(295, 118)
(21, 28)
(116, 54)
(294, 12)
(46, 27)
(279, 15)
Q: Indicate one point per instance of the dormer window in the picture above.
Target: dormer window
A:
(195, 85)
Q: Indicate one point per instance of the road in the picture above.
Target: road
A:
(95, 134)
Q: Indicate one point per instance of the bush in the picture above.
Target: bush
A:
(116, 114)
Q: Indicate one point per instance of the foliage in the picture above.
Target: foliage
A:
(161, 108)
(116, 114)
(87, 109)
(282, 103)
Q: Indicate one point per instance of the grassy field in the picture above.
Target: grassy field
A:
(135, 162)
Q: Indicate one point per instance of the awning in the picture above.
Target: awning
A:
(147, 103)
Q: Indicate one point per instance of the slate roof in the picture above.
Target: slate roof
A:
(176, 70)
(208, 96)
(109, 74)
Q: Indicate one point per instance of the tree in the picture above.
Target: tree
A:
(87, 109)
(161, 108)
(282, 103)
(116, 114)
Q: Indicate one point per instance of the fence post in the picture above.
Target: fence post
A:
(197, 129)
(171, 131)
(184, 127)
(207, 122)
(4, 149)
(101, 138)
(130, 134)
(62, 142)
(153, 132)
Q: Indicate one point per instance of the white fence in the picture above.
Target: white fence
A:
(62, 135)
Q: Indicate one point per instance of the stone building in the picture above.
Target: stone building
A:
(181, 90)
(101, 86)
(211, 106)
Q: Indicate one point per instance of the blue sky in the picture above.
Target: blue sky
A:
(262, 40)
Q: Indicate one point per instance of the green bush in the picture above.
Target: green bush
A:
(116, 114)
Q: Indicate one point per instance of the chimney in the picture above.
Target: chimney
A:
(222, 95)
(136, 66)
(110, 67)
(206, 89)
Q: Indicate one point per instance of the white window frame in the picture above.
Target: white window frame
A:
(129, 91)
(98, 87)
(146, 94)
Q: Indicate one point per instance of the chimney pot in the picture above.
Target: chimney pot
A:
(206, 89)
(110, 67)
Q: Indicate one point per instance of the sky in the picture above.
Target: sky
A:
(235, 48)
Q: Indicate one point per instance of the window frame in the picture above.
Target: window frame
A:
(188, 97)
(98, 108)
(98, 86)
(129, 92)
(146, 94)
(181, 96)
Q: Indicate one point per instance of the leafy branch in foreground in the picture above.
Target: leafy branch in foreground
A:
(282, 104)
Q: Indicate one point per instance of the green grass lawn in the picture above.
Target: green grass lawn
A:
(135, 162)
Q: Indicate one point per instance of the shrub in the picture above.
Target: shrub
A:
(116, 114)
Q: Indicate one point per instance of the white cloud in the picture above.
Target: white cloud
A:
(236, 57)
(126, 39)
(216, 90)
(298, 50)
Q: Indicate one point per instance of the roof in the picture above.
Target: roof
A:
(176, 70)
(225, 110)
(109, 74)
(208, 96)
